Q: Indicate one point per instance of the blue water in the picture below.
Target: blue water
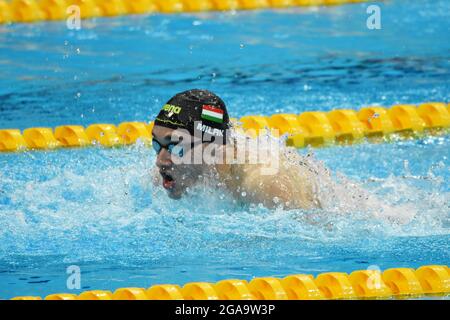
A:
(96, 208)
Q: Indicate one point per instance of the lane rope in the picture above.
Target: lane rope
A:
(311, 128)
(48, 10)
(431, 280)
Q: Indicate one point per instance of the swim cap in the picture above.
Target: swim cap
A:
(200, 112)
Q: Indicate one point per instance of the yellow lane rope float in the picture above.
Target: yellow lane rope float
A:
(42, 10)
(432, 280)
(314, 128)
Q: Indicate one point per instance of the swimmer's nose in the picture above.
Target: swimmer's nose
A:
(164, 158)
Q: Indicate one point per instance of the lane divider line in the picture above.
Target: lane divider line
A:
(314, 128)
(49, 10)
(361, 284)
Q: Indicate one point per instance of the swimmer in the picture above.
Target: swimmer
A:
(196, 121)
(194, 139)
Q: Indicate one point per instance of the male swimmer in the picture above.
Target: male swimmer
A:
(191, 136)
(194, 140)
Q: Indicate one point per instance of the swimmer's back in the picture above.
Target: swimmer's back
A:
(290, 186)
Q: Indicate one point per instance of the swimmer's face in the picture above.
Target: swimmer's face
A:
(176, 178)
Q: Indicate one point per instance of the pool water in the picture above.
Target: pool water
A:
(97, 208)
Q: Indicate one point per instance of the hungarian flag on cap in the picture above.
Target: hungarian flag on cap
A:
(212, 113)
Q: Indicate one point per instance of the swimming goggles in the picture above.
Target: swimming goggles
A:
(173, 148)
